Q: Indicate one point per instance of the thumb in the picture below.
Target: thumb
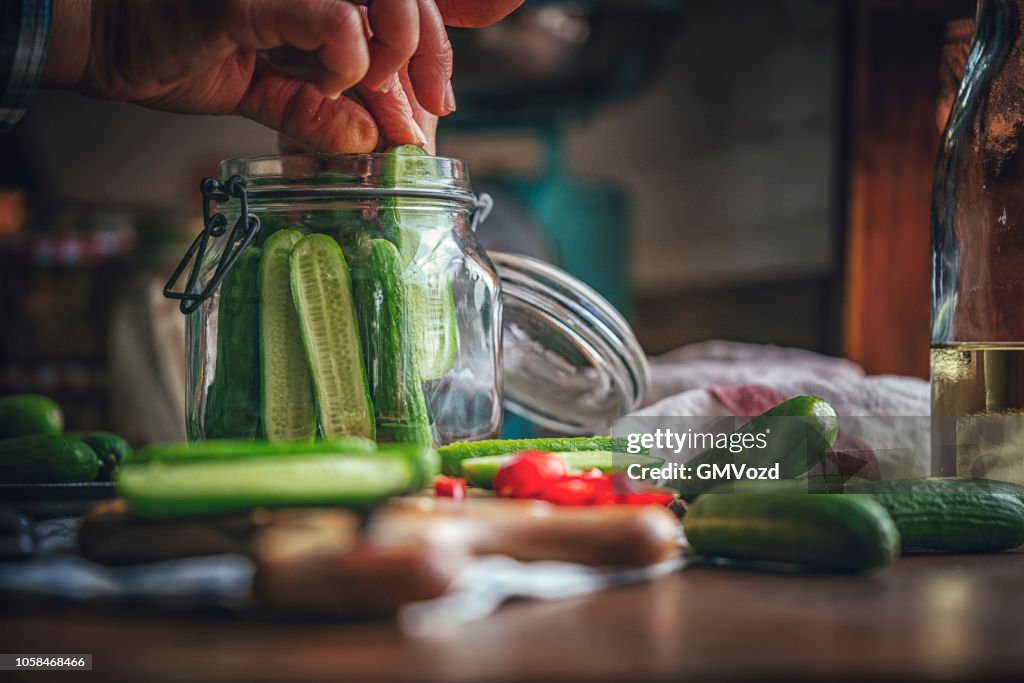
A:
(300, 111)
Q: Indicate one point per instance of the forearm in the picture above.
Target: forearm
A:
(68, 53)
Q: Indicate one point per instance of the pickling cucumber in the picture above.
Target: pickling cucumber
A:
(322, 293)
(453, 454)
(46, 459)
(955, 522)
(798, 433)
(945, 514)
(286, 389)
(431, 302)
(26, 414)
(233, 400)
(162, 489)
(227, 449)
(480, 471)
(388, 338)
(843, 534)
(110, 450)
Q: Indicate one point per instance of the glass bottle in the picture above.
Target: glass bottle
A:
(977, 354)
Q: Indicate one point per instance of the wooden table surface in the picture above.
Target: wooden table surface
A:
(924, 619)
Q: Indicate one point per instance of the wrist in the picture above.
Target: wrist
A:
(70, 35)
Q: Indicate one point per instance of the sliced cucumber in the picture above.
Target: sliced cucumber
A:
(392, 363)
(234, 450)
(286, 388)
(162, 489)
(454, 454)
(480, 471)
(322, 292)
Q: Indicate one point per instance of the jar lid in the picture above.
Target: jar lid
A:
(570, 361)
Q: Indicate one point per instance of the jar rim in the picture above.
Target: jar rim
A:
(375, 174)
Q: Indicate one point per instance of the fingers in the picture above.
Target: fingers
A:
(395, 25)
(393, 112)
(298, 110)
(475, 13)
(426, 121)
(330, 28)
(430, 69)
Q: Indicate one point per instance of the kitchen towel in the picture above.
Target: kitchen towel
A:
(884, 420)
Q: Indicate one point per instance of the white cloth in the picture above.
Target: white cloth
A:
(889, 413)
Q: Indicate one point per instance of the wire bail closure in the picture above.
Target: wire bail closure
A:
(215, 224)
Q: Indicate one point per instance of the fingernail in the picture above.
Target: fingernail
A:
(421, 137)
(388, 85)
(449, 98)
(333, 95)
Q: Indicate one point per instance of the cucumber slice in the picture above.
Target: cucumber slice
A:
(162, 489)
(480, 471)
(233, 401)
(392, 363)
(454, 453)
(322, 292)
(233, 450)
(286, 388)
(431, 299)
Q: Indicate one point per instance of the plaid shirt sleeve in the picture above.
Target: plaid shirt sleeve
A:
(24, 34)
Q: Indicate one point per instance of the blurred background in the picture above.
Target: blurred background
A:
(718, 170)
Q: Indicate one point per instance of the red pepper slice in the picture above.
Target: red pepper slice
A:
(449, 487)
(578, 490)
(644, 498)
(527, 473)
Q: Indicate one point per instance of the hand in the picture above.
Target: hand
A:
(200, 57)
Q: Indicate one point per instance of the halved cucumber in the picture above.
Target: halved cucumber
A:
(227, 449)
(453, 454)
(322, 292)
(162, 489)
(286, 388)
(480, 471)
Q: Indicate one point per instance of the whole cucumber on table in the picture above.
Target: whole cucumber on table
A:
(798, 434)
(843, 534)
(46, 459)
(25, 414)
(322, 292)
(388, 336)
(285, 387)
(233, 400)
(110, 450)
(453, 454)
(946, 514)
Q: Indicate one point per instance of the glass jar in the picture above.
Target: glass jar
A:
(977, 356)
(335, 295)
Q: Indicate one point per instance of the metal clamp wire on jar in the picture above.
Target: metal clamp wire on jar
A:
(248, 224)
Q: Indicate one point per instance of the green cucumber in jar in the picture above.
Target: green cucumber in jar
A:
(324, 303)
(431, 301)
(286, 387)
(388, 335)
(233, 399)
